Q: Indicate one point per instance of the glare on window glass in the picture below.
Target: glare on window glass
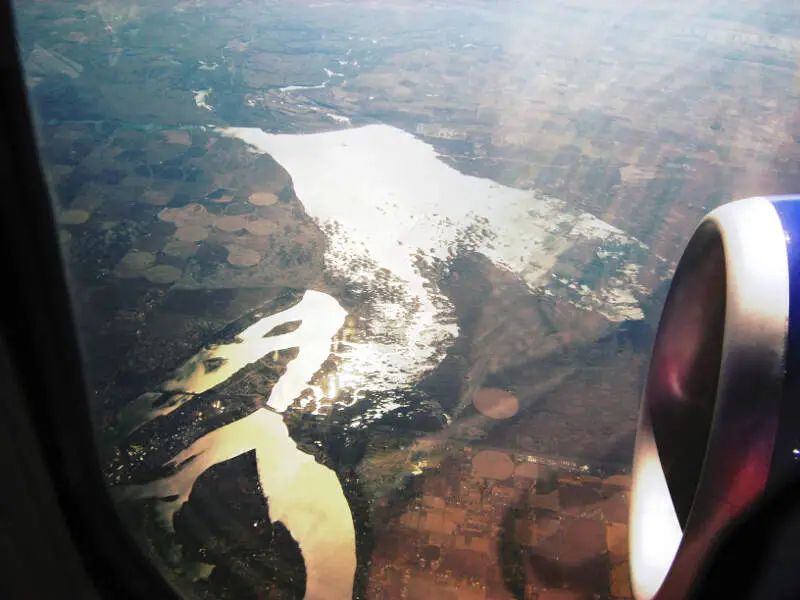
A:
(366, 289)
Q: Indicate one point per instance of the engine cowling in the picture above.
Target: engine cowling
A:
(720, 416)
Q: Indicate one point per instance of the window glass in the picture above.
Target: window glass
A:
(366, 290)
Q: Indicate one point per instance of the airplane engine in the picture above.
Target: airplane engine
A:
(719, 423)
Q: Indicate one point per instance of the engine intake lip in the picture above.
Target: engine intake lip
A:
(710, 407)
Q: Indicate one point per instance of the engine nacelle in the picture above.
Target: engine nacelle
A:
(720, 416)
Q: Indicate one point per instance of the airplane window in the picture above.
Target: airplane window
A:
(366, 290)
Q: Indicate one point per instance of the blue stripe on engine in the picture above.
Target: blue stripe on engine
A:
(786, 453)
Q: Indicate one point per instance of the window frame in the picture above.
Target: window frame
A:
(58, 521)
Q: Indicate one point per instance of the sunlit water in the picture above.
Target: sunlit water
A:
(320, 317)
(389, 204)
(302, 494)
(390, 208)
